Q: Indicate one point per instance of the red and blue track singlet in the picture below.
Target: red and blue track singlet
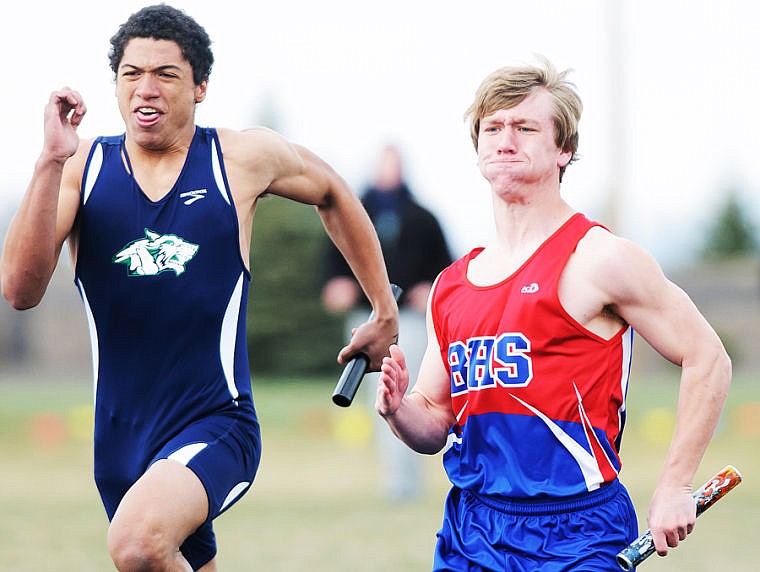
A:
(539, 399)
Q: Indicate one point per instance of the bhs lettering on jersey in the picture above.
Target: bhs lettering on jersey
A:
(482, 362)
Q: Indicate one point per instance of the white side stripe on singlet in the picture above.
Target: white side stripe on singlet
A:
(217, 168)
(229, 337)
(627, 346)
(93, 329)
(93, 170)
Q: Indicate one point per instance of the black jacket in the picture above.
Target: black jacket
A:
(413, 244)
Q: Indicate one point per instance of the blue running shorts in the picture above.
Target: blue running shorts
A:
(581, 533)
(223, 450)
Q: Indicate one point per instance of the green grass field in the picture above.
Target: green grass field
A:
(315, 504)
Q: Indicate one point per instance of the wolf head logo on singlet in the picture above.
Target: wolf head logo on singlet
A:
(156, 253)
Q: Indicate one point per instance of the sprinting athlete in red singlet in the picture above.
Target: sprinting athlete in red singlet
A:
(525, 371)
(524, 381)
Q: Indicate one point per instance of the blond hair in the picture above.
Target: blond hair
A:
(509, 86)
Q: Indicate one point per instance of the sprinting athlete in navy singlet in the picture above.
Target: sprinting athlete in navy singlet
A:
(158, 225)
(165, 290)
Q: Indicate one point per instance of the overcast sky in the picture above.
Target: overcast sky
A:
(669, 88)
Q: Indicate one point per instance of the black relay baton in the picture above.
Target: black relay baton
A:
(352, 375)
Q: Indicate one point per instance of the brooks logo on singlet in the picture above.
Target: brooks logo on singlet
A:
(156, 253)
(192, 196)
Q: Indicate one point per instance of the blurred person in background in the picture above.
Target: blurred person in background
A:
(524, 381)
(158, 222)
(415, 251)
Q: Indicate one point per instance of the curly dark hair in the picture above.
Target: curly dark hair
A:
(162, 22)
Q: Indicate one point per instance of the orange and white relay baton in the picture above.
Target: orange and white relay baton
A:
(706, 496)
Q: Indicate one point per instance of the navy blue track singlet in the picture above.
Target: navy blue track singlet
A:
(165, 292)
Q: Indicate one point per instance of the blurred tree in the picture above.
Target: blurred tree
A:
(732, 233)
(289, 333)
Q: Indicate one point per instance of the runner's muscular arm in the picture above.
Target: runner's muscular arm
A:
(422, 418)
(46, 216)
(294, 172)
(662, 313)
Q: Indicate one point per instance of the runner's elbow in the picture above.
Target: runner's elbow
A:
(17, 295)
